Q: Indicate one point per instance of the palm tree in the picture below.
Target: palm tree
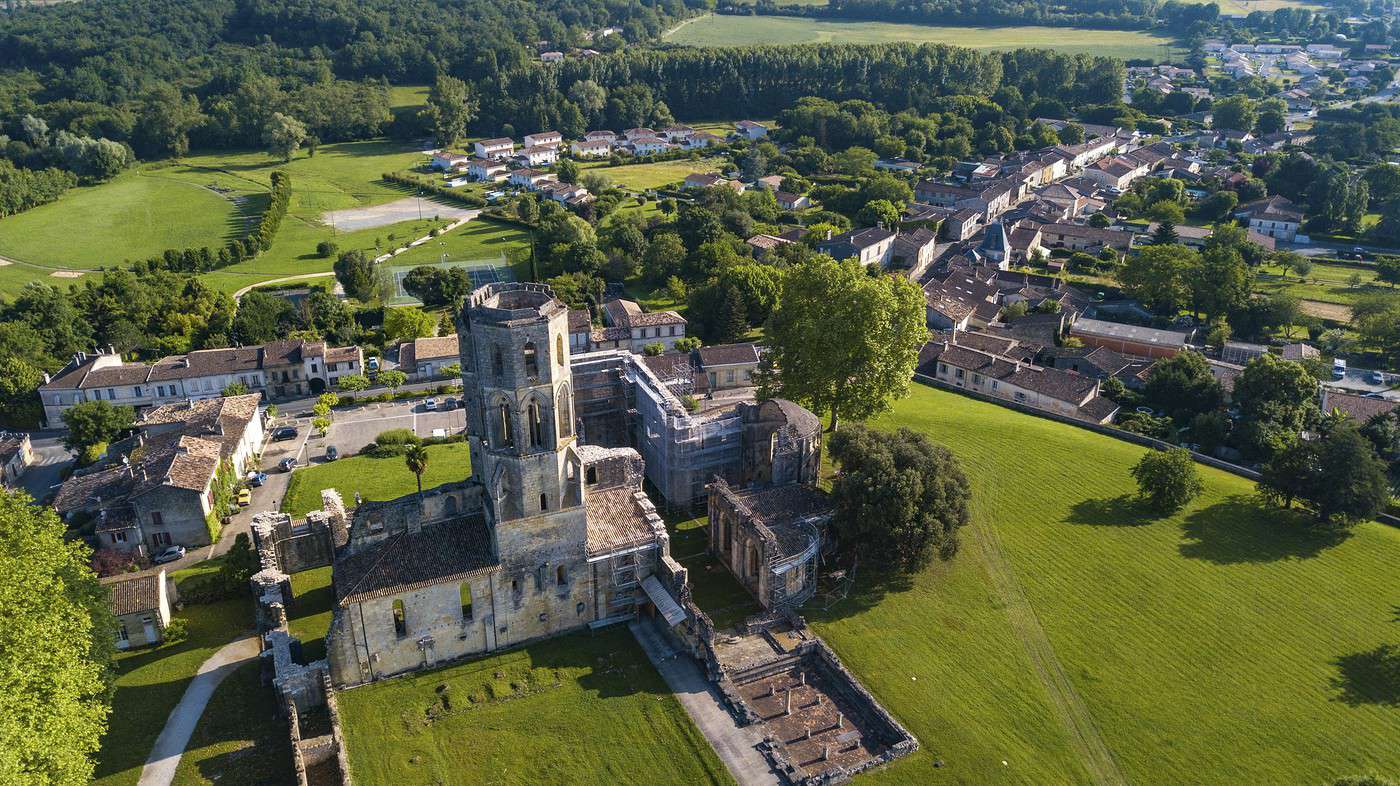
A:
(416, 457)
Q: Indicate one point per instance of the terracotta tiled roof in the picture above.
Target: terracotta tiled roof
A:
(728, 355)
(135, 594)
(413, 352)
(409, 560)
(618, 520)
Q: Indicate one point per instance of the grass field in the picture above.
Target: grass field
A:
(375, 479)
(1225, 644)
(587, 708)
(240, 739)
(171, 204)
(1248, 7)
(641, 177)
(1324, 283)
(150, 682)
(481, 238)
(725, 30)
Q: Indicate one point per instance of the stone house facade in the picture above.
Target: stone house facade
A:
(141, 605)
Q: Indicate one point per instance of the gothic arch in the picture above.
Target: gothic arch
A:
(500, 418)
(564, 403)
(538, 421)
(532, 360)
(559, 349)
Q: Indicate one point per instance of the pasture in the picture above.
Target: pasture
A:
(1076, 638)
(643, 177)
(724, 30)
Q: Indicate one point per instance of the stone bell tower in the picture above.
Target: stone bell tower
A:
(518, 395)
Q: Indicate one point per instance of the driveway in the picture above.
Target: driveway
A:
(42, 478)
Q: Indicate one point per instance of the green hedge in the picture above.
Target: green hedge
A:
(470, 200)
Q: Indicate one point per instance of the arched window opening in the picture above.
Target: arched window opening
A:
(532, 362)
(559, 349)
(544, 502)
(400, 620)
(560, 576)
(497, 362)
(564, 403)
(506, 438)
(536, 425)
(753, 562)
(466, 596)
(592, 475)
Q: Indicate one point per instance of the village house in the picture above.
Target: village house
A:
(677, 133)
(502, 147)
(566, 193)
(531, 178)
(603, 135)
(1274, 217)
(959, 300)
(487, 169)
(749, 129)
(551, 57)
(16, 454)
(760, 245)
(543, 139)
(914, 250)
(1009, 379)
(648, 145)
(637, 133)
(644, 327)
(425, 358)
(871, 245)
(592, 148)
(772, 183)
(701, 139)
(448, 161)
(702, 180)
(1133, 341)
(280, 369)
(1081, 237)
(539, 155)
(1116, 173)
(728, 366)
(141, 605)
(234, 422)
(789, 201)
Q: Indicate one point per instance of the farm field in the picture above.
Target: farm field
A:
(1225, 644)
(641, 177)
(717, 30)
(376, 479)
(586, 708)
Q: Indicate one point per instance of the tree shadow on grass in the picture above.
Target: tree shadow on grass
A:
(1125, 510)
(1244, 529)
(867, 591)
(1371, 677)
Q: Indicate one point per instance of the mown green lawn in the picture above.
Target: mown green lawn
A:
(641, 177)
(136, 215)
(1225, 644)
(1324, 282)
(309, 618)
(586, 708)
(375, 479)
(479, 239)
(150, 682)
(240, 738)
(729, 30)
(713, 587)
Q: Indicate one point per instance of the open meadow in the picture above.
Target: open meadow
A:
(1075, 638)
(727, 30)
(643, 177)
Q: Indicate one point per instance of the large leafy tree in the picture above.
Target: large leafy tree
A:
(1183, 386)
(55, 649)
(451, 106)
(1276, 401)
(900, 498)
(1158, 276)
(283, 135)
(355, 272)
(1168, 479)
(842, 342)
(94, 422)
(1337, 477)
(406, 323)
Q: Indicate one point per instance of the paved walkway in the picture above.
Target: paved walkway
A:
(170, 745)
(737, 747)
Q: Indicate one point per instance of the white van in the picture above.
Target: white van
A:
(1339, 368)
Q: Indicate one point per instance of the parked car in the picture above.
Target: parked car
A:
(372, 364)
(332, 453)
(245, 497)
(256, 478)
(430, 404)
(1376, 378)
(287, 464)
(169, 555)
(449, 403)
(285, 433)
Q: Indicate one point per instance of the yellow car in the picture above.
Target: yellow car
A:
(245, 498)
